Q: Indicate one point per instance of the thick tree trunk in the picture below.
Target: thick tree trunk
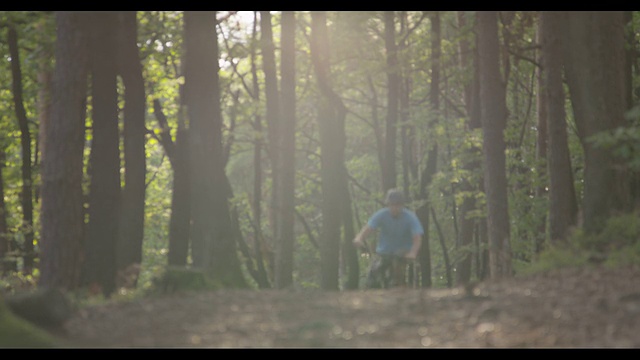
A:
(630, 59)
(594, 65)
(563, 207)
(62, 216)
(25, 142)
(214, 248)
(104, 167)
(494, 116)
(332, 144)
(286, 217)
(133, 193)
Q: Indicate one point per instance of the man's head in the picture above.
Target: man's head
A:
(395, 201)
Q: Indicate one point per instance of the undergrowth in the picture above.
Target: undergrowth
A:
(616, 245)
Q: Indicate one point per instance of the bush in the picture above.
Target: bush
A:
(176, 279)
(618, 244)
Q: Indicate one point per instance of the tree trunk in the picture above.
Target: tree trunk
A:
(104, 168)
(6, 263)
(273, 114)
(407, 132)
(214, 248)
(468, 62)
(25, 142)
(178, 153)
(133, 193)
(44, 103)
(331, 117)
(423, 211)
(62, 216)
(393, 85)
(494, 116)
(594, 64)
(286, 173)
(630, 58)
(563, 207)
(260, 248)
(542, 135)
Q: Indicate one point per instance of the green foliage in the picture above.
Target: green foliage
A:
(623, 142)
(180, 279)
(618, 244)
(17, 281)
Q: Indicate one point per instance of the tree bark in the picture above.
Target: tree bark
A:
(133, 193)
(542, 135)
(494, 116)
(62, 218)
(332, 113)
(6, 264)
(423, 212)
(273, 113)
(260, 247)
(178, 153)
(286, 173)
(104, 167)
(594, 64)
(563, 207)
(468, 62)
(393, 85)
(25, 142)
(214, 248)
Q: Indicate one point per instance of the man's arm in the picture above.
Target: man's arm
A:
(415, 247)
(359, 240)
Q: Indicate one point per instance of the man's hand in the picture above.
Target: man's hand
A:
(358, 241)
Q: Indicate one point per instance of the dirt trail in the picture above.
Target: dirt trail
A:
(575, 308)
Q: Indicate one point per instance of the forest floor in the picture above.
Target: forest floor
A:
(567, 308)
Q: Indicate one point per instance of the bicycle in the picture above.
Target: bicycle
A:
(387, 271)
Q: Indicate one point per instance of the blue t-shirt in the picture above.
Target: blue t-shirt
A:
(396, 234)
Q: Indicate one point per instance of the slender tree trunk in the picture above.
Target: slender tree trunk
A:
(25, 142)
(594, 64)
(468, 61)
(133, 193)
(563, 207)
(286, 217)
(178, 153)
(393, 85)
(332, 143)
(494, 116)
(104, 193)
(44, 103)
(62, 216)
(423, 211)
(214, 248)
(542, 135)
(260, 247)
(6, 264)
(273, 113)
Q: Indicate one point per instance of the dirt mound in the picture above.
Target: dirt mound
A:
(566, 308)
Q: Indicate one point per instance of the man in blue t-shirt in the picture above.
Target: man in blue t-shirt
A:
(400, 230)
